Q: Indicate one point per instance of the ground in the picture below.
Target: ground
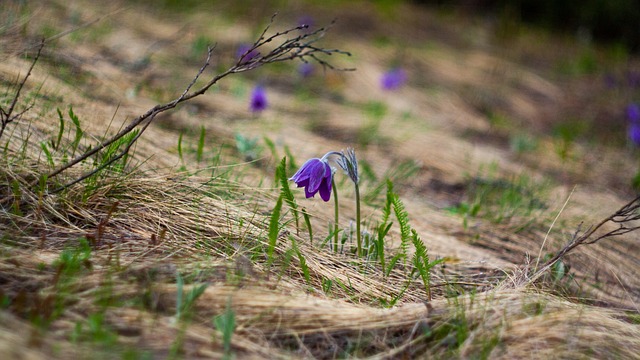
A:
(505, 143)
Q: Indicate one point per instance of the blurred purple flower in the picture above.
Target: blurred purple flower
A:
(610, 81)
(393, 79)
(306, 20)
(244, 54)
(315, 175)
(258, 99)
(634, 133)
(305, 69)
(633, 113)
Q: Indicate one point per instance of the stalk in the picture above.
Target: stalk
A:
(358, 235)
(335, 225)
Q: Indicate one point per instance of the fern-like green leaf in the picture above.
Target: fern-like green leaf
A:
(403, 221)
(386, 210)
(421, 261)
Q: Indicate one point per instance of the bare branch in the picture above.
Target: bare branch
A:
(625, 217)
(204, 66)
(6, 115)
(299, 47)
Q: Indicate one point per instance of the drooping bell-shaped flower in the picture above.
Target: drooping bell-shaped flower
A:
(393, 79)
(258, 99)
(315, 175)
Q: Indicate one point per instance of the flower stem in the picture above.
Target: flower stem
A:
(358, 235)
(335, 224)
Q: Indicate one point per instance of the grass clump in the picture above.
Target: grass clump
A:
(516, 201)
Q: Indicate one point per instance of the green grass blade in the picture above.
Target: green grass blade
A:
(57, 142)
(383, 230)
(79, 132)
(292, 160)
(386, 210)
(307, 220)
(281, 174)
(179, 295)
(392, 263)
(47, 153)
(226, 324)
(274, 227)
(201, 140)
(272, 147)
(302, 260)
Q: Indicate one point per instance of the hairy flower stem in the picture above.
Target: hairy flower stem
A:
(335, 225)
(358, 235)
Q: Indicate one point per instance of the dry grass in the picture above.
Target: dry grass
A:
(115, 295)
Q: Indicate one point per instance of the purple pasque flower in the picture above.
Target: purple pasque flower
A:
(245, 54)
(393, 79)
(633, 113)
(305, 69)
(306, 20)
(634, 133)
(258, 99)
(315, 175)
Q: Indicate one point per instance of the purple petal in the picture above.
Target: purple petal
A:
(633, 113)
(634, 133)
(303, 183)
(316, 175)
(325, 187)
(303, 172)
(308, 193)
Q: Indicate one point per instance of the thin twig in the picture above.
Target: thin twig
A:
(292, 48)
(623, 217)
(6, 116)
